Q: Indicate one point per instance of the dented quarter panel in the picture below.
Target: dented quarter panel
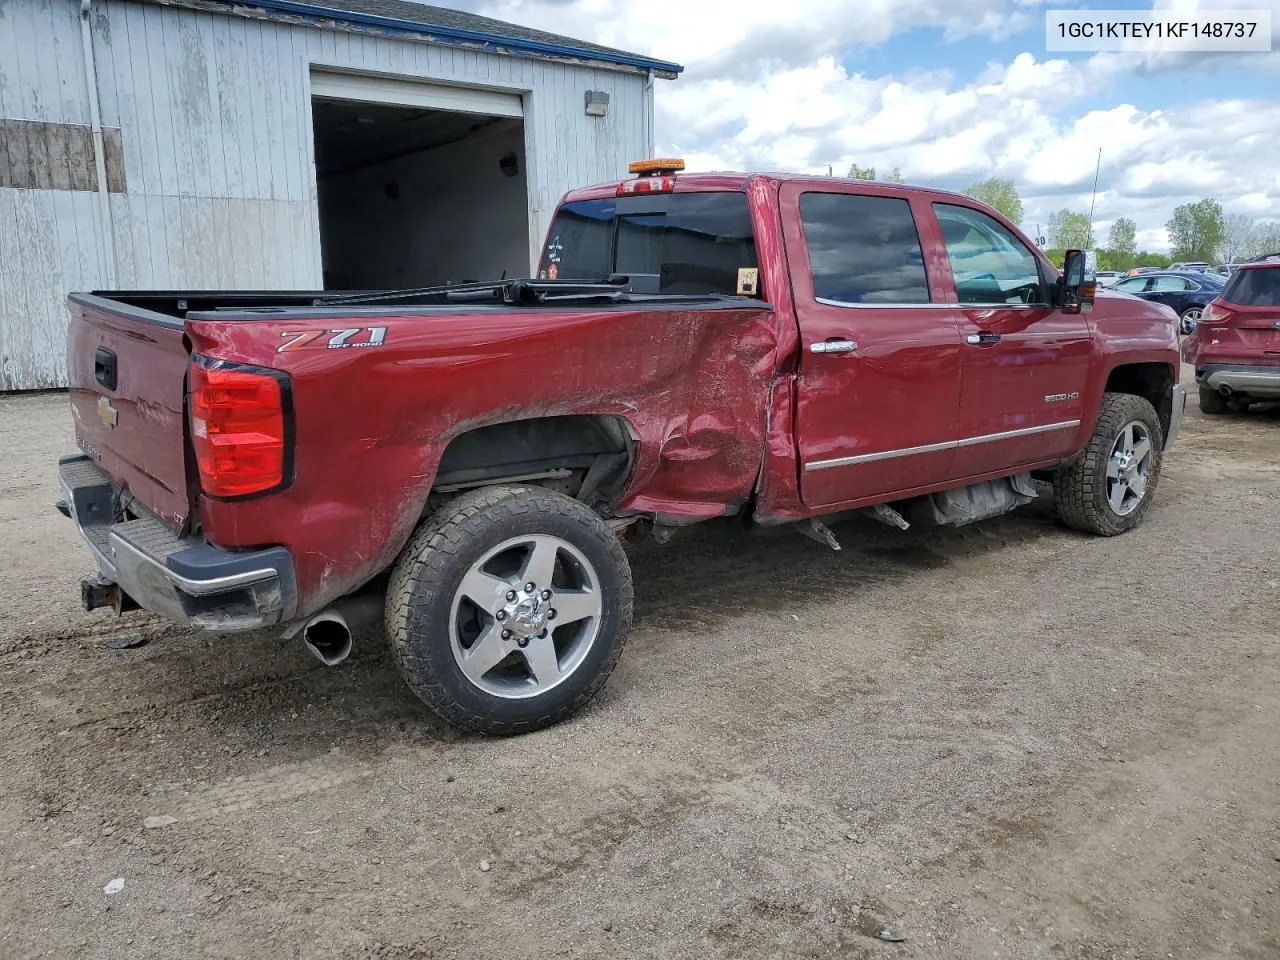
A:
(372, 422)
(778, 491)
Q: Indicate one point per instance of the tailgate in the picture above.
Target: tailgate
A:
(1259, 327)
(127, 370)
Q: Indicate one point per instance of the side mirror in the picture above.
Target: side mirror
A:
(1079, 282)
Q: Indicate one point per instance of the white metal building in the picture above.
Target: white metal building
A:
(275, 144)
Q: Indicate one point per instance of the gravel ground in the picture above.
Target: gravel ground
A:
(1005, 741)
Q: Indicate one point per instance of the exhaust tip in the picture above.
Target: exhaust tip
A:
(328, 634)
(329, 638)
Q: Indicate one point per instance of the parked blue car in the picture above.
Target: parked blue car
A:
(1187, 293)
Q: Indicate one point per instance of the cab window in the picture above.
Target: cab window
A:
(863, 249)
(1132, 285)
(989, 263)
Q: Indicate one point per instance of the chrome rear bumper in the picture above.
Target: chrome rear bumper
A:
(183, 578)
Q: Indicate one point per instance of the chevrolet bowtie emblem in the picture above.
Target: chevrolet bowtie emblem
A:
(107, 413)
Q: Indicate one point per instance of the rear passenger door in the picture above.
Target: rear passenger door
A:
(1026, 362)
(879, 386)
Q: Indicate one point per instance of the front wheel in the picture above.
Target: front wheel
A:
(1109, 488)
(508, 609)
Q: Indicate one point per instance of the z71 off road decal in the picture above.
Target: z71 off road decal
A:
(334, 339)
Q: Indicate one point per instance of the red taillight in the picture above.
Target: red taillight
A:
(1215, 313)
(238, 423)
(647, 185)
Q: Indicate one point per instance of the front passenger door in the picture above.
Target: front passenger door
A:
(1025, 362)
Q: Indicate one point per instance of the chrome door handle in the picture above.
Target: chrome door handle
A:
(983, 339)
(834, 346)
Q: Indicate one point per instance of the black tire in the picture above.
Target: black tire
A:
(430, 571)
(1184, 326)
(1212, 402)
(1080, 489)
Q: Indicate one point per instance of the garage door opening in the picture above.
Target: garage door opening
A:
(414, 196)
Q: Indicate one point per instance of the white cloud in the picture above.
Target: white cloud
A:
(1155, 239)
(765, 88)
(720, 33)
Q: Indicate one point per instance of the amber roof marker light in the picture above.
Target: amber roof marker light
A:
(658, 165)
(653, 176)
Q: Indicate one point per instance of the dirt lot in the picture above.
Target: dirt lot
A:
(1005, 741)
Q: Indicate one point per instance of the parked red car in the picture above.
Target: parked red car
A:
(1235, 346)
(462, 460)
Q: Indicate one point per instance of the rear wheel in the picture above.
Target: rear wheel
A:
(1190, 317)
(1109, 488)
(508, 609)
(1212, 402)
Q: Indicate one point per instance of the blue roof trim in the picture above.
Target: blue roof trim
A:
(495, 40)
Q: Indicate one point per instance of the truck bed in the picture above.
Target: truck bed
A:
(180, 304)
(383, 382)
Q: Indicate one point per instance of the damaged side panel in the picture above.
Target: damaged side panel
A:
(372, 423)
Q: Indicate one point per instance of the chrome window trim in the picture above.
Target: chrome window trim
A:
(1006, 306)
(933, 306)
(885, 306)
(938, 447)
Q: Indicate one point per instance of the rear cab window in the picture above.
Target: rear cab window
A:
(1254, 287)
(672, 243)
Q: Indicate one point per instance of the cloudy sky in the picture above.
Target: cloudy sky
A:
(950, 91)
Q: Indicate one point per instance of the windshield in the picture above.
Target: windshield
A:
(690, 243)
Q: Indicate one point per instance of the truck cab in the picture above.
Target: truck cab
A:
(931, 344)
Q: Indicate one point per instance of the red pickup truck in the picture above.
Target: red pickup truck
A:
(461, 461)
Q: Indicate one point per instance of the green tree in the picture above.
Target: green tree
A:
(1001, 194)
(1122, 245)
(869, 173)
(1197, 230)
(1069, 231)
